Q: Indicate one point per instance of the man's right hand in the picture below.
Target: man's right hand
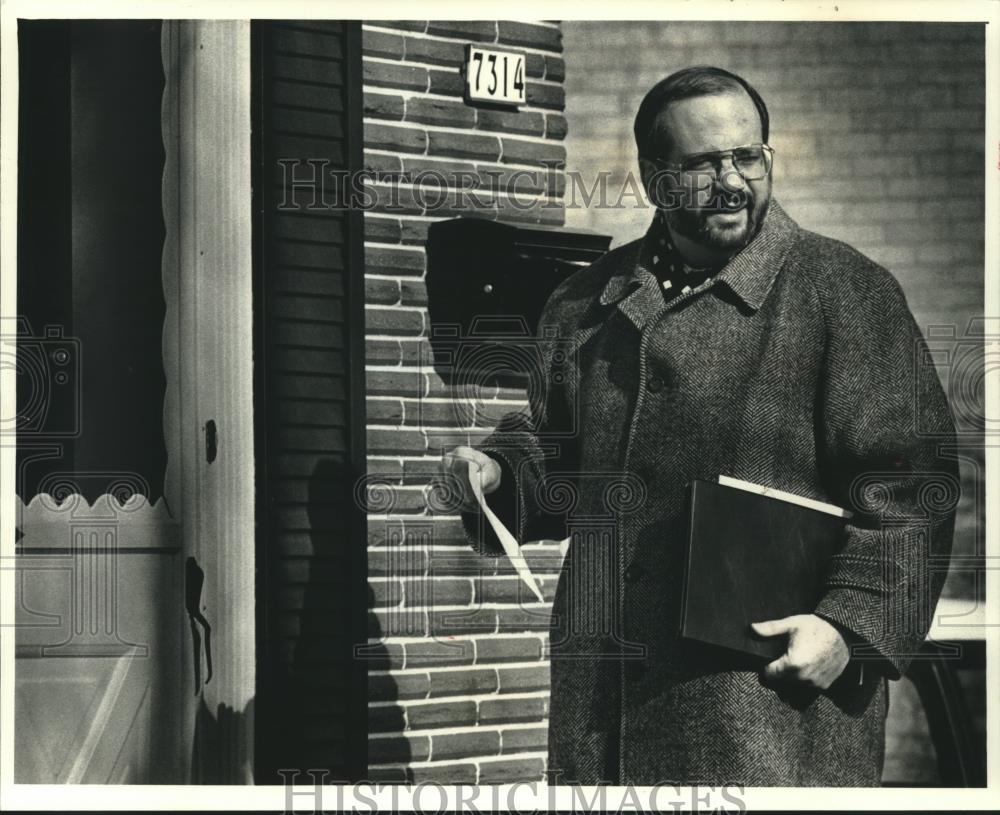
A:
(455, 465)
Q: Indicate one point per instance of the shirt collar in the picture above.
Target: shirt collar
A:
(750, 273)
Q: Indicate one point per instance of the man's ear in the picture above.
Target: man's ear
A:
(647, 172)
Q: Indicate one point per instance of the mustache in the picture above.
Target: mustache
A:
(727, 201)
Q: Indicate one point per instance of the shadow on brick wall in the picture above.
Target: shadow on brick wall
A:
(387, 757)
(316, 721)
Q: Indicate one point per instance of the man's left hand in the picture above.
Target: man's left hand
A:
(816, 654)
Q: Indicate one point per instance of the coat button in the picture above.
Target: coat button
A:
(654, 385)
(633, 573)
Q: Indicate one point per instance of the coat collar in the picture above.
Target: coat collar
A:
(750, 273)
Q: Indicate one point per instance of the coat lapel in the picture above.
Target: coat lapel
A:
(750, 273)
(633, 286)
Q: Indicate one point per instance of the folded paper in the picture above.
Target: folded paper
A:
(509, 543)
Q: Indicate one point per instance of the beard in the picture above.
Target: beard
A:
(725, 223)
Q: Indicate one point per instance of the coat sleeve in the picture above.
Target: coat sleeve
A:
(885, 432)
(526, 444)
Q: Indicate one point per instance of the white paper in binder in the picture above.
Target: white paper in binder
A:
(509, 543)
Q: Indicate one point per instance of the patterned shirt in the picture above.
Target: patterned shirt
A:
(675, 274)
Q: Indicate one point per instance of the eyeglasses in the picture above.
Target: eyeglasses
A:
(752, 162)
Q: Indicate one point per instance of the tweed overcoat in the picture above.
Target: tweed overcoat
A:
(798, 366)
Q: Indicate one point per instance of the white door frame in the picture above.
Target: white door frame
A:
(207, 355)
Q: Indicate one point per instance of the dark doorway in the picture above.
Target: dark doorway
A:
(90, 304)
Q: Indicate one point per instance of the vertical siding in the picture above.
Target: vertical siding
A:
(307, 458)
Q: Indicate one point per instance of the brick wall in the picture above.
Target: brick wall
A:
(457, 684)
(878, 137)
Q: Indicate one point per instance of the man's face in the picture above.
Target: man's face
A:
(725, 215)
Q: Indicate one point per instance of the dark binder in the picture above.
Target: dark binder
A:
(750, 558)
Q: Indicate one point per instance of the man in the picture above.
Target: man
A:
(727, 341)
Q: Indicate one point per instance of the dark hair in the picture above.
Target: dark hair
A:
(699, 80)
